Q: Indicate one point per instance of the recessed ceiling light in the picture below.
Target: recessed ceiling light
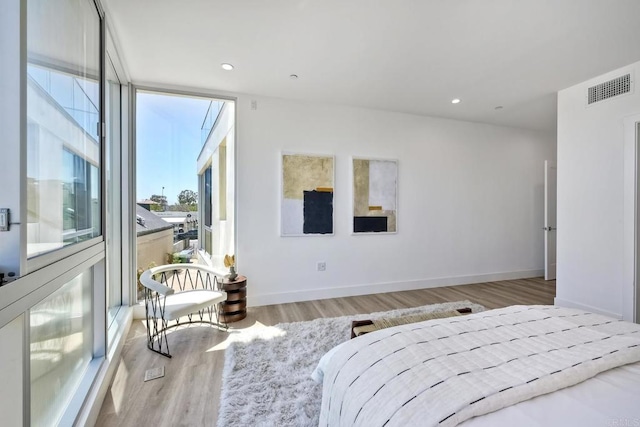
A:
(293, 76)
(227, 67)
(455, 101)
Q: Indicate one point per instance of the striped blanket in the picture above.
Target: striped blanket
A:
(442, 372)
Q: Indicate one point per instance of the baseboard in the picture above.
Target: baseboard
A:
(93, 403)
(379, 288)
(572, 304)
(139, 311)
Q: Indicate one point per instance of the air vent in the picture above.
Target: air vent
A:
(609, 89)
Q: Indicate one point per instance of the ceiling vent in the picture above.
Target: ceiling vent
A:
(606, 90)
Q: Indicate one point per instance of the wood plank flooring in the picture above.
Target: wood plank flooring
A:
(188, 394)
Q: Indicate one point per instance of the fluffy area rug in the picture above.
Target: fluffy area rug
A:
(266, 379)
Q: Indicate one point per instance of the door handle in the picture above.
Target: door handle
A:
(549, 228)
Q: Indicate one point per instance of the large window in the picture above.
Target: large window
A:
(63, 116)
(64, 191)
(63, 154)
(168, 130)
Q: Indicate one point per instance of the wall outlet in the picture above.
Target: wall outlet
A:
(322, 266)
(4, 219)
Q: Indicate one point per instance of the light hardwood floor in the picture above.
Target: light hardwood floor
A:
(188, 394)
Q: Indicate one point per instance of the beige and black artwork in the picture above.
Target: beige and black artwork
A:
(307, 195)
(375, 195)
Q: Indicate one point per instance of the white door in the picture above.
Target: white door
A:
(550, 183)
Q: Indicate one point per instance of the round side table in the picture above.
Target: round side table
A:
(235, 307)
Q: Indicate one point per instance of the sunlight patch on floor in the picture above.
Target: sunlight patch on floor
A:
(122, 375)
(257, 330)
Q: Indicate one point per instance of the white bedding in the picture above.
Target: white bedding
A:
(610, 399)
(438, 373)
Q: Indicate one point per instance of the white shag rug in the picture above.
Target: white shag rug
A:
(266, 378)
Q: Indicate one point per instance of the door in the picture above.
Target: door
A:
(550, 183)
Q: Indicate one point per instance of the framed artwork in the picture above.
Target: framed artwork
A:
(307, 195)
(375, 195)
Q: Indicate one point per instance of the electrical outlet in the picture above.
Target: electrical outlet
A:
(4, 219)
(322, 266)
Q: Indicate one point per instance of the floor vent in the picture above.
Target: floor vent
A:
(606, 90)
(154, 373)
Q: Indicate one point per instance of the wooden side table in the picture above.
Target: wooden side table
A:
(235, 307)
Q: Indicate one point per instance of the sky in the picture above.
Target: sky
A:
(168, 143)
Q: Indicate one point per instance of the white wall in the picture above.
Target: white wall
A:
(470, 203)
(595, 198)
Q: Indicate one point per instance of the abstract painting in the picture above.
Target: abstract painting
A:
(307, 195)
(375, 195)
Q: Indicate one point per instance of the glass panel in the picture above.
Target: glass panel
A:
(167, 147)
(61, 348)
(114, 211)
(215, 107)
(63, 112)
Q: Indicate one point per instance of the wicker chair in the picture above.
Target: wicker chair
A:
(180, 294)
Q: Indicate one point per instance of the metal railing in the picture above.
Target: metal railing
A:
(210, 119)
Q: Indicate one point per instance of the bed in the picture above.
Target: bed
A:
(533, 365)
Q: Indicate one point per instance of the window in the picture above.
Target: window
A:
(80, 204)
(61, 348)
(63, 116)
(54, 130)
(168, 183)
(65, 333)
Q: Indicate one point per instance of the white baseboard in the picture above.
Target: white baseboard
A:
(572, 304)
(378, 288)
(139, 311)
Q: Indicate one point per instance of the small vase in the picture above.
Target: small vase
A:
(232, 273)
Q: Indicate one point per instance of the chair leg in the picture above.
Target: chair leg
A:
(157, 340)
(156, 337)
(217, 313)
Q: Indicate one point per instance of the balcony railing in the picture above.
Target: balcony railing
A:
(215, 107)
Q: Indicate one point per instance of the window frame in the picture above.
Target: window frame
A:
(31, 264)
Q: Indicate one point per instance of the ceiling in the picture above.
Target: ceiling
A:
(411, 56)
